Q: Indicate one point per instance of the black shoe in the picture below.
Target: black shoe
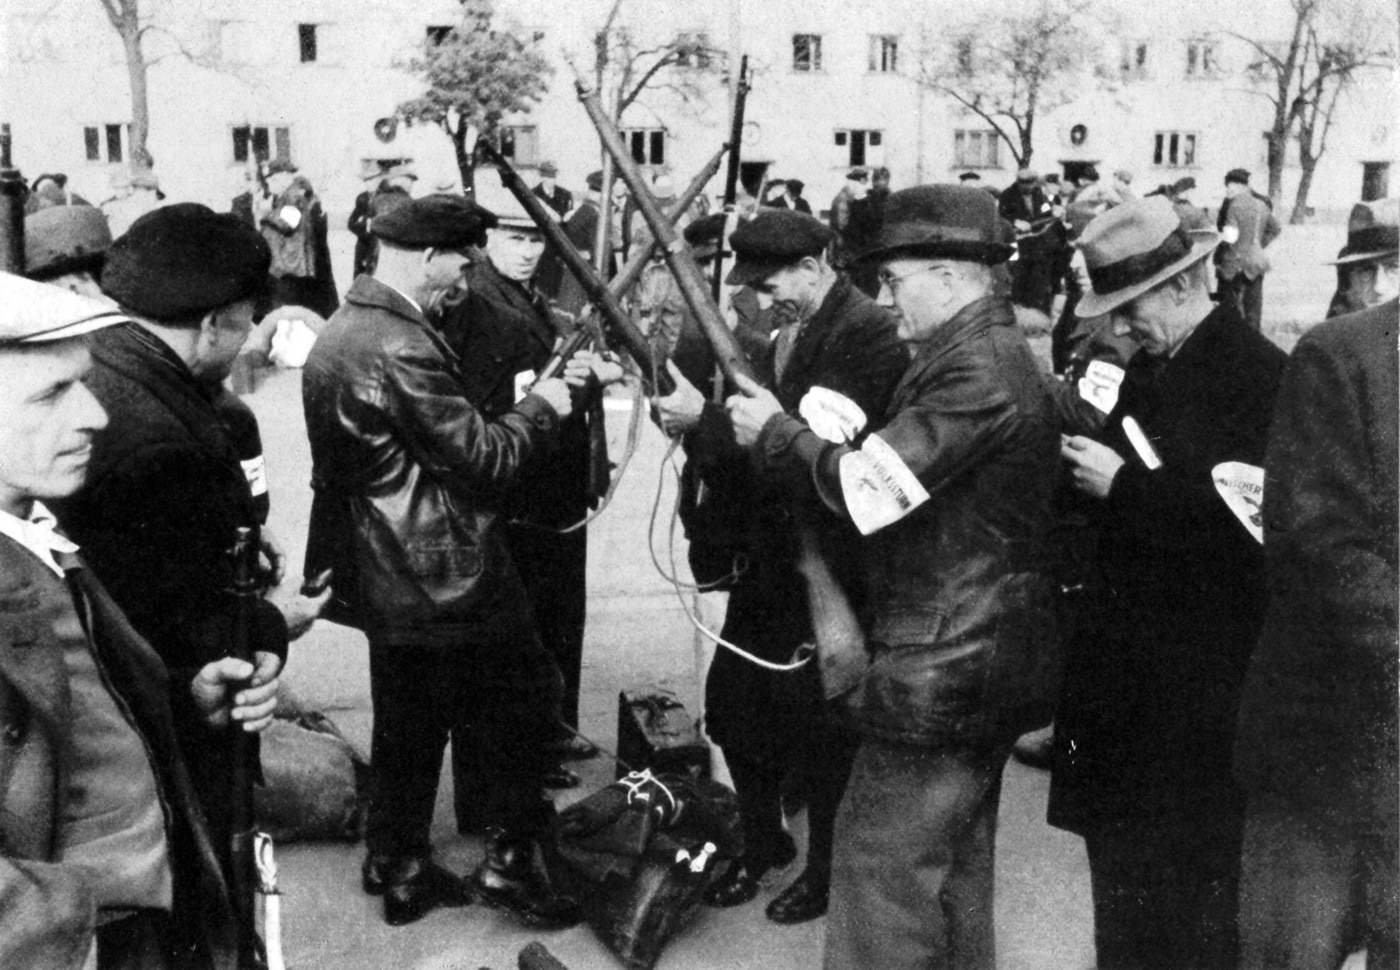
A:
(741, 881)
(380, 870)
(560, 777)
(426, 887)
(804, 900)
(508, 879)
(575, 748)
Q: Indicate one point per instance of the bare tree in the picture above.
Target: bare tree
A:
(680, 65)
(125, 17)
(1011, 68)
(476, 75)
(1304, 77)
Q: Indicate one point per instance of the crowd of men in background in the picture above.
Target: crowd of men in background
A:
(1181, 545)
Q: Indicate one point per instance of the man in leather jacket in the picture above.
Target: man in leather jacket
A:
(953, 493)
(404, 468)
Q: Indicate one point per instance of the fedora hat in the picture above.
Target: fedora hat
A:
(65, 239)
(954, 221)
(1133, 247)
(1373, 232)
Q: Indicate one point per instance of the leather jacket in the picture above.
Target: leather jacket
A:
(961, 623)
(402, 464)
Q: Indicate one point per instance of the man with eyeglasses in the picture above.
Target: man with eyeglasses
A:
(404, 467)
(952, 489)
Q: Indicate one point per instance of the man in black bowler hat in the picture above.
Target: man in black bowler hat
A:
(170, 480)
(406, 472)
(832, 341)
(1152, 682)
(950, 484)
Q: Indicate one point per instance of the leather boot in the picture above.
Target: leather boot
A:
(804, 900)
(415, 887)
(741, 881)
(508, 879)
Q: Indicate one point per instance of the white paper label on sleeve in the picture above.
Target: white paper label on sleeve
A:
(523, 380)
(255, 470)
(831, 416)
(291, 215)
(1138, 439)
(1100, 383)
(1242, 488)
(878, 487)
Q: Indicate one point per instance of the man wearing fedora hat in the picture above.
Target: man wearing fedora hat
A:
(66, 246)
(1146, 719)
(551, 193)
(407, 475)
(1039, 241)
(1368, 270)
(950, 483)
(831, 340)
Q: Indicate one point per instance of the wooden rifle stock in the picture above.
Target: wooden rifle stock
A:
(841, 653)
(729, 354)
(619, 325)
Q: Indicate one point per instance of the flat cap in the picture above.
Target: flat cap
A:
(181, 261)
(549, 169)
(953, 221)
(1239, 176)
(34, 313)
(774, 239)
(65, 239)
(703, 235)
(435, 222)
(595, 181)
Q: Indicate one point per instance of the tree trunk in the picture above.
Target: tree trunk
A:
(466, 157)
(141, 160)
(1026, 131)
(1308, 162)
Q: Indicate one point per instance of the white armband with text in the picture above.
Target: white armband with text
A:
(878, 487)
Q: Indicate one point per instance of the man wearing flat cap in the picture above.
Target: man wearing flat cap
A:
(832, 342)
(66, 245)
(1146, 720)
(167, 486)
(106, 859)
(1368, 268)
(1247, 227)
(408, 476)
(950, 485)
(1039, 241)
(504, 332)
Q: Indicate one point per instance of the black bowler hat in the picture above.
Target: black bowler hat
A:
(435, 222)
(1133, 247)
(773, 239)
(181, 261)
(953, 221)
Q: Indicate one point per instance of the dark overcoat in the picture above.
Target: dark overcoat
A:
(1318, 718)
(1151, 691)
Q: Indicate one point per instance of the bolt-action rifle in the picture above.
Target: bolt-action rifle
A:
(840, 642)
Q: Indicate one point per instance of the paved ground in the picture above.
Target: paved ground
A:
(638, 632)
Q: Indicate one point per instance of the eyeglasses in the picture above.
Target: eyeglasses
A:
(888, 280)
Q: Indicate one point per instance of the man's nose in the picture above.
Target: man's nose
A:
(91, 415)
(886, 296)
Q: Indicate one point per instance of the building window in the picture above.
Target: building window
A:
(647, 145)
(1132, 63)
(1174, 149)
(438, 33)
(859, 146)
(306, 41)
(267, 142)
(106, 143)
(1200, 59)
(807, 52)
(884, 53)
(520, 145)
(976, 149)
